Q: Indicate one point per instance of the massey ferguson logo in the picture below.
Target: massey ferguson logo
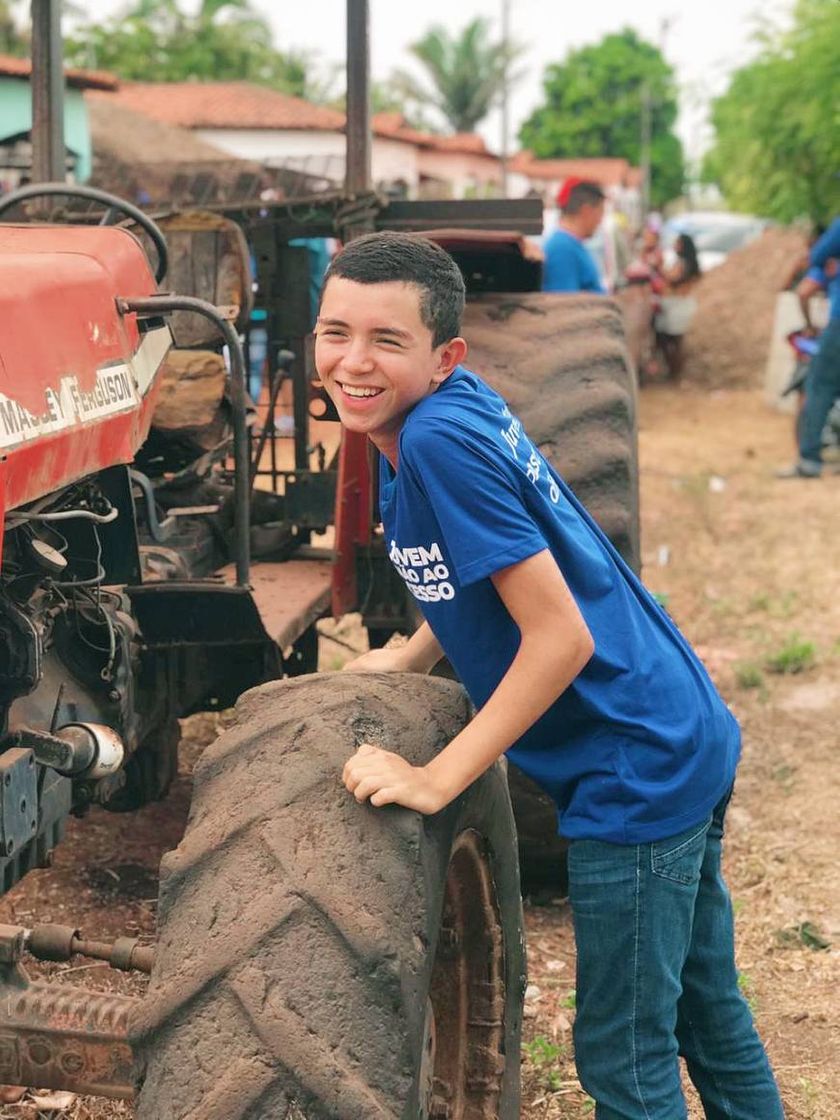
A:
(116, 389)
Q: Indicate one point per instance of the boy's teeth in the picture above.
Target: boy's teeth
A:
(354, 391)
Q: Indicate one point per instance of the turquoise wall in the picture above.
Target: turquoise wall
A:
(16, 117)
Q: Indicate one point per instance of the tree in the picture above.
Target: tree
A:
(776, 127)
(12, 39)
(594, 102)
(467, 73)
(156, 41)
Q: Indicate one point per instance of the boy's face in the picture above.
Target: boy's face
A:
(375, 356)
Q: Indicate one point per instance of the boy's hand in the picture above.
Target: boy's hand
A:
(391, 659)
(384, 778)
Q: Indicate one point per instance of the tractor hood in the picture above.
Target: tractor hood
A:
(77, 378)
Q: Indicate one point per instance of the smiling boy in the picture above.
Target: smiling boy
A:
(575, 672)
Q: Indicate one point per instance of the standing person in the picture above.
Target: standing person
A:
(569, 266)
(822, 385)
(576, 672)
(677, 306)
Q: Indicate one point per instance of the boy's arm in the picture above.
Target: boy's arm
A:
(555, 645)
(806, 289)
(827, 246)
(420, 654)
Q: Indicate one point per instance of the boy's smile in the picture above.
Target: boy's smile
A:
(375, 356)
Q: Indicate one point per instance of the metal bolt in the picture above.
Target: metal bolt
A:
(39, 1051)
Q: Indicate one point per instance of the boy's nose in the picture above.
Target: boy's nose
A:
(358, 359)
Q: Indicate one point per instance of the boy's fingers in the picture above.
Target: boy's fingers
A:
(366, 748)
(386, 796)
(366, 787)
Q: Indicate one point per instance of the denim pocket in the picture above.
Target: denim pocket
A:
(679, 858)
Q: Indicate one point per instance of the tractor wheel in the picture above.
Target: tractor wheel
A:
(321, 959)
(562, 364)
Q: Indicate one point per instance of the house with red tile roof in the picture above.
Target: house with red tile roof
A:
(256, 123)
(16, 119)
(454, 166)
(263, 125)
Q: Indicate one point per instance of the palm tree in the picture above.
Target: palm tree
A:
(467, 73)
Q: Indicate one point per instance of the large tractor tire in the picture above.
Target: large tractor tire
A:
(562, 364)
(321, 959)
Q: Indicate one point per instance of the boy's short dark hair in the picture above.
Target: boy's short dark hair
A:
(582, 194)
(379, 258)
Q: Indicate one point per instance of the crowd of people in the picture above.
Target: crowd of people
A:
(570, 267)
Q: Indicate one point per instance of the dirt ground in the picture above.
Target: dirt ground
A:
(747, 566)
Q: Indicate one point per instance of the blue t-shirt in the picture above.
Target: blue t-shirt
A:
(568, 265)
(823, 250)
(640, 746)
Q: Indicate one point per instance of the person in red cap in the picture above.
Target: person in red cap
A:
(569, 266)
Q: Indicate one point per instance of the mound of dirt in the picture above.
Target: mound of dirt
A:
(728, 341)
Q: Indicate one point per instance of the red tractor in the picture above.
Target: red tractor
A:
(314, 958)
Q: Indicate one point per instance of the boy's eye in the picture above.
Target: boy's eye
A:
(390, 342)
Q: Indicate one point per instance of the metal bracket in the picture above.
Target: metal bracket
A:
(18, 799)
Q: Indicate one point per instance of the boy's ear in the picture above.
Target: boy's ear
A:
(451, 354)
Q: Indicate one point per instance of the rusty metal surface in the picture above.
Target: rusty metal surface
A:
(289, 596)
(163, 305)
(59, 1037)
(62, 943)
(48, 153)
(358, 161)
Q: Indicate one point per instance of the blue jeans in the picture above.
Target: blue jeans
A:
(656, 979)
(822, 387)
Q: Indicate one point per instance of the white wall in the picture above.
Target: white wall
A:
(395, 159)
(469, 174)
(320, 153)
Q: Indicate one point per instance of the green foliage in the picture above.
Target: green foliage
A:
(544, 1056)
(748, 675)
(467, 73)
(805, 934)
(777, 125)
(747, 989)
(794, 656)
(156, 41)
(12, 38)
(594, 104)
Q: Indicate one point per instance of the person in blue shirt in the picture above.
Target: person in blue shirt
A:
(575, 671)
(568, 265)
(822, 386)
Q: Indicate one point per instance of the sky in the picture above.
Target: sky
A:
(704, 42)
